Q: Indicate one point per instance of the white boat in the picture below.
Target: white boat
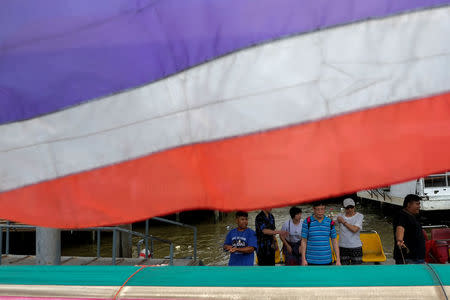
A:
(434, 190)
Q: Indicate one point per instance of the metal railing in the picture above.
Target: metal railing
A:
(380, 191)
(434, 226)
(145, 236)
(372, 193)
(149, 251)
(130, 232)
(7, 227)
(177, 224)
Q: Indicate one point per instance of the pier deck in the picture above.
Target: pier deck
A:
(8, 260)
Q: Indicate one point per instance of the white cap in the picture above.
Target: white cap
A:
(349, 201)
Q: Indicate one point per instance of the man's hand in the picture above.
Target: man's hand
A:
(304, 262)
(227, 247)
(283, 233)
(289, 249)
(233, 249)
(401, 244)
(340, 219)
(338, 262)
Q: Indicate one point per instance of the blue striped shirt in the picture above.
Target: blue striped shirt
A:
(318, 249)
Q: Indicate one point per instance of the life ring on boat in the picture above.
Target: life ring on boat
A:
(142, 253)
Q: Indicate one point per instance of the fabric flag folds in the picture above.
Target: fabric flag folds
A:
(116, 111)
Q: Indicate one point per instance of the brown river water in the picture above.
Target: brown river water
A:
(211, 235)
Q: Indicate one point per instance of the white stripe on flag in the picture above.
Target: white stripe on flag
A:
(290, 81)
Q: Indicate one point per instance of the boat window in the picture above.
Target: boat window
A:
(436, 180)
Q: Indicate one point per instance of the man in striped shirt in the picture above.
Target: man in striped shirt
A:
(316, 233)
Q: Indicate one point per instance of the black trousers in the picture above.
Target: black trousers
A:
(266, 258)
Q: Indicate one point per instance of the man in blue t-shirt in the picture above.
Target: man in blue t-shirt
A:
(241, 242)
(316, 233)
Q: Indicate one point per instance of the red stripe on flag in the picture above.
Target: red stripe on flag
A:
(297, 164)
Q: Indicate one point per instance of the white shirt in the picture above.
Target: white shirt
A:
(348, 239)
(295, 231)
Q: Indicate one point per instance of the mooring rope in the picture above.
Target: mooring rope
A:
(401, 252)
(131, 276)
(435, 275)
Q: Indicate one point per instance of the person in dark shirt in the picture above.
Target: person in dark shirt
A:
(409, 242)
(265, 233)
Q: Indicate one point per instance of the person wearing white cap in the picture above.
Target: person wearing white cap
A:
(350, 225)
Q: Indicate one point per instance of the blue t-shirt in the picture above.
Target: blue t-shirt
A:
(318, 248)
(241, 239)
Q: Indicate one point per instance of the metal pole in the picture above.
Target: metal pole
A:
(130, 242)
(48, 246)
(151, 247)
(98, 242)
(146, 240)
(1, 243)
(195, 243)
(7, 238)
(171, 255)
(114, 248)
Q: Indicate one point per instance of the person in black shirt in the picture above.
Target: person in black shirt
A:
(265, 233)
(409, 242)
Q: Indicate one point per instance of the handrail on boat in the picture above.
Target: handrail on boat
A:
(368, 231)
(434, 226)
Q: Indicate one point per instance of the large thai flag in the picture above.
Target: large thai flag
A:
(115, 111)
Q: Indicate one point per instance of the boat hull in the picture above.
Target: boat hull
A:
(140, 282)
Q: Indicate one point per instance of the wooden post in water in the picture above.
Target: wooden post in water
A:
(48, 246)
(217, 216)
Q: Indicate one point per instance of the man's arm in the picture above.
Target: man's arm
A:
(227, 244)
(259, 224)
(227, 247)
(274, 232)
(247, 249)
(399, 235)
(286, 244)
(336, 251)
(352, 228)
(303, 251)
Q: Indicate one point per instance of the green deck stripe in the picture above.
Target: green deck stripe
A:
(443, 271)
(332, 276)
(329, 276)
(66, 275)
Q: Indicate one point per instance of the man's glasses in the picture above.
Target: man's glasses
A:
(350, 206)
